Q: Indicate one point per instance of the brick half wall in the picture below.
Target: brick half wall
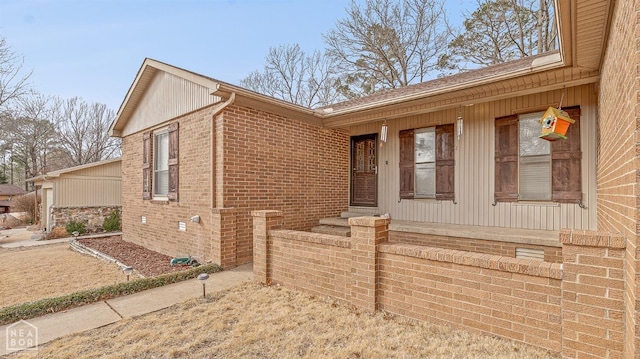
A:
(556, 306)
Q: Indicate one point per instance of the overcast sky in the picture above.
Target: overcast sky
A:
(94, 48)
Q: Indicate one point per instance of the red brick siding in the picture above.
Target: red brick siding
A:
(271, 162)
(194, 197)
(618, 166)
(316, 263)
(265, 161)
(507, 249)
(518, 306)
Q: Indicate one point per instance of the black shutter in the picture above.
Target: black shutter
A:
(506, 157)
(146, 165)
(445, 162)
(566, 158)
(173, 162)
(407, 164)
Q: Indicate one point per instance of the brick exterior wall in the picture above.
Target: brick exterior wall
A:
(271, 162)
(574, 308)
(238, 162)
(507, 249)
(618, 150)
(160, 233)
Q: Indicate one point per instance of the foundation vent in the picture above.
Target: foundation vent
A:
(528, 253)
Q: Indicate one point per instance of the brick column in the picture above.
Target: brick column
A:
(223, 236)
(263, 222)
(592, 294)
(366, 234)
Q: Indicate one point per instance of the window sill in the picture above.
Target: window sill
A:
(424, 200)
(160, 200)
(539, 204)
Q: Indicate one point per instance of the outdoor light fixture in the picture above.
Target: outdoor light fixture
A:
(202, 277)
(383, 132)
(127, 270)
(195, 219)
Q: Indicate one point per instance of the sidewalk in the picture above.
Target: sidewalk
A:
(99, 314)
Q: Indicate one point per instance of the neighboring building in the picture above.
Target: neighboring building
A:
(7, 193)
(461, 163)
(86, 193)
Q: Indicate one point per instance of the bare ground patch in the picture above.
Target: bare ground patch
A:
(253, 321)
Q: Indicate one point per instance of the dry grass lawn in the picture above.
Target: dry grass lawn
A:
(252, 321)
(32, 273)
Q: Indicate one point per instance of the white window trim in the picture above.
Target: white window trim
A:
(431, 129)
(155, 196)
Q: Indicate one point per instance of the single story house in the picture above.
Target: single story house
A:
(456, 162)
(7, 193)
(87, 193)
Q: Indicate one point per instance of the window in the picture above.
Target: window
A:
(427, 163)
(535, 160)
(425, 155)
(530, 168)
(160, 163)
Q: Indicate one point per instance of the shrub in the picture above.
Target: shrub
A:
(25, 203)
(112, 223)
(52, 305)
(75, 226)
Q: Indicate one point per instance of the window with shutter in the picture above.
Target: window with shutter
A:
(529, 168)
(427, 163)
(160, 164)
(173, 162)
(566, 160)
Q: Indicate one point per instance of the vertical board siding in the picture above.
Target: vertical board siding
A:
(474, 166)
(88, 192)
(167, 97)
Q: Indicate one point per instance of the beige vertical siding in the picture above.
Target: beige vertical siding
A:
(93, 186)
(474, 182)
(168, 97)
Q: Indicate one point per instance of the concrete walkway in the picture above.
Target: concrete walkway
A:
(96, 315)
(21, 237)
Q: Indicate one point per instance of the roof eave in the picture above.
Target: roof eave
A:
(540, 64)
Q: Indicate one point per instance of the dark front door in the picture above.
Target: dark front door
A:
(364, 171)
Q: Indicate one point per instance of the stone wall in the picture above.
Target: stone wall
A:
(92, 217)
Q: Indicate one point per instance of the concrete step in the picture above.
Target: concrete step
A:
(334, 221)
(333, 230)
(357, 214)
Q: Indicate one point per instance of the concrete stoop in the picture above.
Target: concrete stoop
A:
(333, 230)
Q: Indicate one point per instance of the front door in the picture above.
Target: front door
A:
(364, 171)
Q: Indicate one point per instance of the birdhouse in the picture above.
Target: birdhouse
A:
(555, 124)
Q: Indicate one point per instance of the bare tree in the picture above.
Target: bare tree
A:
(387, 44)
(292, 75)
(505, 30)
(13, 83)
(82, 130)
(31, 134)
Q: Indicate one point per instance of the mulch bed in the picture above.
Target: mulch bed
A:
(147, 262)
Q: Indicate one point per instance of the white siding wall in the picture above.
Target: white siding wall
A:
(475, 168)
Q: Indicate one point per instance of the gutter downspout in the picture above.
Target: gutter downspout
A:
(214, 144)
